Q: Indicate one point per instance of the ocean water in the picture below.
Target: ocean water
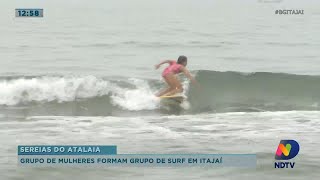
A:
(84, 74)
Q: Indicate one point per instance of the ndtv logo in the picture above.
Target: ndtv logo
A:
(287, 149)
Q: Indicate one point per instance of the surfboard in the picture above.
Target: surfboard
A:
(178, 98)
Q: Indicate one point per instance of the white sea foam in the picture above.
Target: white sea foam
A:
(67, 89)
(48, 89)
(140, 98)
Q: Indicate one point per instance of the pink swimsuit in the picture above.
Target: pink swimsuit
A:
(172, 68)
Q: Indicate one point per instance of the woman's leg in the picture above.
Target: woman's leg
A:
(174, 83)
(168, 89)
(164, 91)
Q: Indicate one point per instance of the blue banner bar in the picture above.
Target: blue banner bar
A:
(67, 150)
(142, 160)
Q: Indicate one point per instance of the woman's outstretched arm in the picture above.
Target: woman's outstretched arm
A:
(187, 73)
(163, 62)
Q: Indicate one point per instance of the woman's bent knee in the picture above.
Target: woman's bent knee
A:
(180, 89)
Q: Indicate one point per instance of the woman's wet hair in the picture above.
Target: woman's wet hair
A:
(182, 59)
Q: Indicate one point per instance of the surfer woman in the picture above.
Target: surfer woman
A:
(169, 75)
